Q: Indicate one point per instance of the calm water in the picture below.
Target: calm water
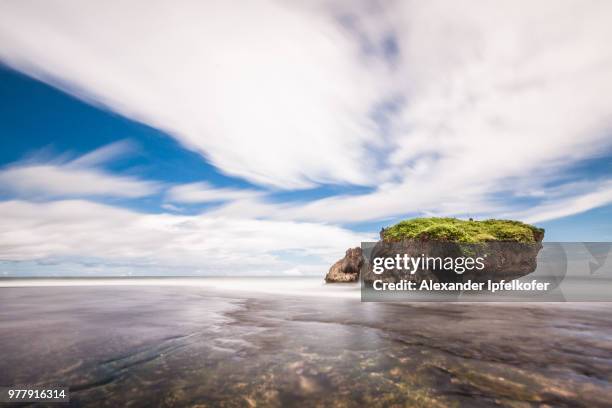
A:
(294, 342)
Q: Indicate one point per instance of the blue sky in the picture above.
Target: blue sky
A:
(41, 120)
(168, 151)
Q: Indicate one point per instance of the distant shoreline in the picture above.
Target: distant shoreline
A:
(309, 286)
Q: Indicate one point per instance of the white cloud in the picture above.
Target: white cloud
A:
(203, 192)
(499, 98)
(292, 272)
(171, 207)
(65, 231)
(65, 181)
(570, 204)
(267, 91)
(493, 99)
(74, 178)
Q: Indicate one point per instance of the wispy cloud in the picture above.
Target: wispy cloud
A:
(267, 91)
(297, 96)
(555, 207)
(78, 177)
(202, 192)
(437, 107)
(66, 231)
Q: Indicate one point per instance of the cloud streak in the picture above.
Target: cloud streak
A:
(83, 232)
(409, 97)
(79, 177)
(465, 109)
(202, 192)
(570, 204)
(238, 85)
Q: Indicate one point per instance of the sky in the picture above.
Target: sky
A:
(266, 137)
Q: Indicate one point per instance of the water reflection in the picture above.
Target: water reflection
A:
(175, 346)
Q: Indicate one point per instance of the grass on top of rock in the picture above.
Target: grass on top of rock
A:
(453, 229)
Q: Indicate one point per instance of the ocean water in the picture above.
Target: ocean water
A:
(295, 342)
(298, 286)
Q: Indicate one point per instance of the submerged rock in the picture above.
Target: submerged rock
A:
(346, 269)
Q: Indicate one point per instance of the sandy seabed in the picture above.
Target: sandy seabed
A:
(294, 342)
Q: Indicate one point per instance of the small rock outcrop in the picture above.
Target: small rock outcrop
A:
(346, 269)
(507, 248)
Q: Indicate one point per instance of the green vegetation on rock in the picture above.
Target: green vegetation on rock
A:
(453, 229)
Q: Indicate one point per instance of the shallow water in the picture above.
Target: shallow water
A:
(150, 344)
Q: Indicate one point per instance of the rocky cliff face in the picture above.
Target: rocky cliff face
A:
(346, 269)
(503, 260)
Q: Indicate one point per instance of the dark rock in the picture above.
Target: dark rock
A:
(505, 249)
(346, 269)
(503, 260)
